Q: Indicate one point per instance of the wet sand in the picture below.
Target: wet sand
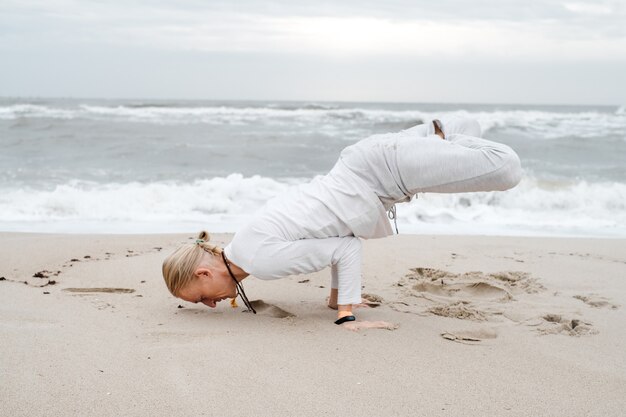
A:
(487, 326)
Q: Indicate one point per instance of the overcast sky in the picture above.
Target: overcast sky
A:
(483, 51)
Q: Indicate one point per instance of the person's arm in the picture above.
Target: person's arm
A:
(304, 256)
(346, 276)
(346, 286)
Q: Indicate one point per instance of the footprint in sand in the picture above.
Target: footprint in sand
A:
(498, 285)
(479, 296)
(459, 310)
(100, 290)
(371, 300)
(478, 289)
(558, 324)
(470, 337)
(469, 296)
(271, 310)
(596, 301)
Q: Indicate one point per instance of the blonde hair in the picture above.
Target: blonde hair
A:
(179, 267)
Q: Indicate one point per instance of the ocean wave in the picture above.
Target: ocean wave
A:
(155, 201)
(531, 123)
(227, 202)
(307, 106)
(533, 204)
(18, 111)
(553, 125)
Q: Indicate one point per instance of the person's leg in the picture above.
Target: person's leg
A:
(451, 125)
(460, 163)
(461, 125)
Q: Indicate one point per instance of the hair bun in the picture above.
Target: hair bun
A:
(204, 235)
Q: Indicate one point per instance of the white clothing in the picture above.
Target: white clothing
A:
(321, 223)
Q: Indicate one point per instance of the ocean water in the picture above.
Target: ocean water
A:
(143, 166)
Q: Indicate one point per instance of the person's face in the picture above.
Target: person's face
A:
(208, 288)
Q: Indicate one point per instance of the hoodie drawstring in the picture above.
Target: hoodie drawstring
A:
(392, 216)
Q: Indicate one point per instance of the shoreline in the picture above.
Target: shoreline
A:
(227, 233)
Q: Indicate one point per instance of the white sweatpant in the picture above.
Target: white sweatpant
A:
(300, 235)
(397, 166)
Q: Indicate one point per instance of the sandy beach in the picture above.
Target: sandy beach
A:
(487, 326)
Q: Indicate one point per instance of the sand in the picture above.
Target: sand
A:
(487, 326)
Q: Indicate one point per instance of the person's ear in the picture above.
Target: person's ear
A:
(204, 273)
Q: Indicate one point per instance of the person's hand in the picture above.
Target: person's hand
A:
(355, 326)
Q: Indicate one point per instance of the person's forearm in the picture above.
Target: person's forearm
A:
(347, 274)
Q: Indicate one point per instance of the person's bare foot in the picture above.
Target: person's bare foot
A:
(438, 130)
(355, 326)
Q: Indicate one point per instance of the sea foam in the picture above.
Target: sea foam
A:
(225, 203)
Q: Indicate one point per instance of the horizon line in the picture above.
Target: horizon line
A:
(311, 101)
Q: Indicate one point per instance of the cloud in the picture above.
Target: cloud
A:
(379, 37)
(487, 30)
(505, 50)
(589, 8)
